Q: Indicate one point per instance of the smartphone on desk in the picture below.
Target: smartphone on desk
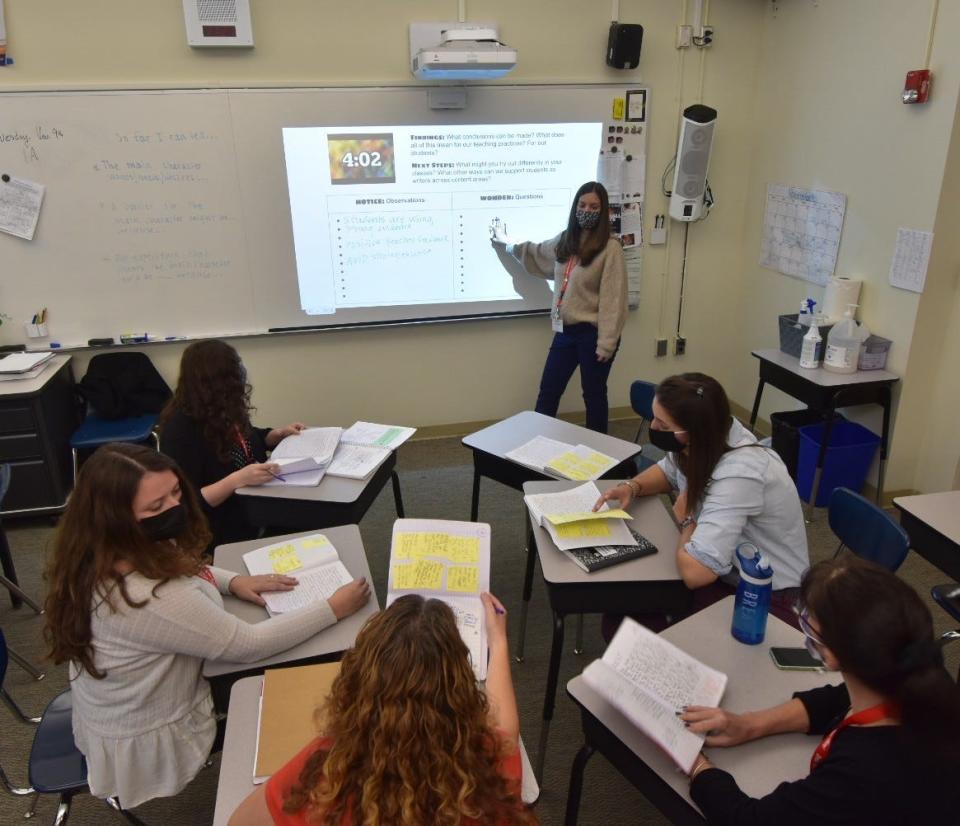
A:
(795, 659)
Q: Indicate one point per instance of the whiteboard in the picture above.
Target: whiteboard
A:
(166, 212)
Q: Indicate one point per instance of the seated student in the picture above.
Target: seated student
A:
(410, 737)
(206, 429)
(891, 754)
(731, 490)
(135, 612)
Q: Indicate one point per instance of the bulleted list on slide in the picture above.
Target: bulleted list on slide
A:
(400, 215)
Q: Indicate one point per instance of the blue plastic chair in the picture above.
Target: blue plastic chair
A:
(55, 766)
(867, 530)
(96, 431)
(641, 400)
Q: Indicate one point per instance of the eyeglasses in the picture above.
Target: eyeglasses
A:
(811, 638)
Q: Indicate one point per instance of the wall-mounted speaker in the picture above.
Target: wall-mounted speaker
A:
(693, 158)
(623, 45)
(218, 22)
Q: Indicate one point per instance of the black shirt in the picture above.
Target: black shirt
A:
(182, 440)
(868, 777)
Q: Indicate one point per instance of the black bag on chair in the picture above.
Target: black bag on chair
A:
(121, 385)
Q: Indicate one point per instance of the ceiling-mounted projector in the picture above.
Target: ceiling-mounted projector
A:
(459, 51)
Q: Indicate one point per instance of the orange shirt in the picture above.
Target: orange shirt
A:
(281, 782)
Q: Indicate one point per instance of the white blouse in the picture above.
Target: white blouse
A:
(147, 727)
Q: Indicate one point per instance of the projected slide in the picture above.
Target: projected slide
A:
(389, 216)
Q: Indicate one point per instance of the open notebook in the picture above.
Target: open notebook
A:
(450, 561)
(649, 679)
(568, 517)
(311, 559)
(561, 460)
(304, 457)
(369, 434)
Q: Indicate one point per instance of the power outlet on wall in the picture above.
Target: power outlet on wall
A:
(679, 346)
(661, 347)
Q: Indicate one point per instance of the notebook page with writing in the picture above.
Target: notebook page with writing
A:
(318, 443)
(649, 679)
(577, 534)
(580, 464)
(357, 461)
(538, 452)
(450, 561)
(377, 435)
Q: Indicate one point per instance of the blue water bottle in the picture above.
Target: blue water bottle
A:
(752, 603)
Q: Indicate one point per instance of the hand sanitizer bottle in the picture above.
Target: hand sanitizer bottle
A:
(809, 358)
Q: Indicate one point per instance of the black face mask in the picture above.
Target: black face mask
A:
(666, 440)
(168, 524)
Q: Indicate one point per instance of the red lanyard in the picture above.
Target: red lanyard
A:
(571, 263)
(873, 714)
(207, 574)
(243, 444)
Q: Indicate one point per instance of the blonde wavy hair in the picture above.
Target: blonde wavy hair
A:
(412, 741)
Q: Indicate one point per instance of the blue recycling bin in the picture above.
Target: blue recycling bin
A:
(848, 458)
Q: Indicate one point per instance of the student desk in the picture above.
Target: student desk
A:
(323, 646)
(37, 418)
(240, 746)
(491, 445)
(754, 683)
(932, 521)
(824, 391)
(650, 583)
(335, 501)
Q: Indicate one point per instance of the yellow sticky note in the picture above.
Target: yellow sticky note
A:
(314, 542)
(618, 108)
(465, 579)
(590, 529)
(564, 518)
(420, 575)
(446, 546)
(284, 559)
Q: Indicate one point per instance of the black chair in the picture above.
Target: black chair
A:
(867, 530)
(55, 766)
(9, 577)
(948, 598)
(641, 400)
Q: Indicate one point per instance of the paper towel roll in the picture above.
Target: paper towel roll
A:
(839, 293)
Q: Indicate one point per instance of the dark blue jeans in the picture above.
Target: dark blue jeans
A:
(576, 346)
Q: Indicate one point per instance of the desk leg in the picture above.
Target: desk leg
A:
(9, 570)
(885, 403)
(576, 784)
(756, 405)
(475, 503)
(527, 592)
(578, 645)
(17, 596)
(397, 497)
(553, 673)
(821, 458)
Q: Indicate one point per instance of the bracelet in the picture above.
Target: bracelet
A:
(634, 491)
(686, 522)
(700, 765)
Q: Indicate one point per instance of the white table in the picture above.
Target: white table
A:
(932, 521)
(335, 501)
(338, 637)
(239, 752)
(491, 445)
(754, 683)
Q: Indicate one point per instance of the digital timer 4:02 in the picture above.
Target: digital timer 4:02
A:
(363, 159)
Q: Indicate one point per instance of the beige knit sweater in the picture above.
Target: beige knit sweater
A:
(596, 294)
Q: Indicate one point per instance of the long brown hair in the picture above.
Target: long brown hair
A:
(412, 742)
(699, 405)
(586, 243)
(98, 530)
(881, 632)
(213, 391)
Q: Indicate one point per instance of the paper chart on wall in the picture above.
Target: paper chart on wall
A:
(801, 232)
(908, 269)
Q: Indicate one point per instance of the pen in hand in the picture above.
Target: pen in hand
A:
(276, 476)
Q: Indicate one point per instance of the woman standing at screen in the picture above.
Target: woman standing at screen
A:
(589, 301)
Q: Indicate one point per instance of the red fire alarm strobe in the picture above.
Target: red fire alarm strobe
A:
(916, 89)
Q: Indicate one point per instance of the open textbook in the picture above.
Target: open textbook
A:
(563, 461)
(311, 559)
(649, 679)
(387, 436)
(304, 457)
(450, 561)
(357, 461)
(568, 517)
